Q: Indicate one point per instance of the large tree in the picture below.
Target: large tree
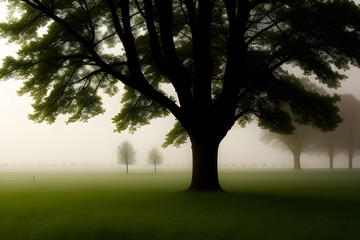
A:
(224, 58)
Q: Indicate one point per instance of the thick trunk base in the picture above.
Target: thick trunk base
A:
(207, 186)
(205, 168)
(202, 188)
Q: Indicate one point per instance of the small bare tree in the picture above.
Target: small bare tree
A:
(126, 154)
(155, 157)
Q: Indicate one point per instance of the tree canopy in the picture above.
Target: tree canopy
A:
(225, 60)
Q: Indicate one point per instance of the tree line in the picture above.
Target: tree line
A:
(306, 139)
(126, 155)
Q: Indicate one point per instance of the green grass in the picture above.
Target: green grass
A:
(106, 204)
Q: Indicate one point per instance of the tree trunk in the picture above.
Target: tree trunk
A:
(331, 162)
(297, 164)
(331, 159)
(155, 167)
(350, 160)
(205, 165)
(127, 168)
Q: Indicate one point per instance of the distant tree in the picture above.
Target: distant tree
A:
(328, 143)
(126, 154)
(301, 139)
(155, 157)
(349, 129)
(225, 60)
(297, 142)
(344, 139)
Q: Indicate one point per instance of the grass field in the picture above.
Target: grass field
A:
(107, 204)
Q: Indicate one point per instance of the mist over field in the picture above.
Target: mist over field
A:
(93, 144)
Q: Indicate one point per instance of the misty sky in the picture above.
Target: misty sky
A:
(24, 143)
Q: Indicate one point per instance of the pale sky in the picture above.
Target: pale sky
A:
(26, 144)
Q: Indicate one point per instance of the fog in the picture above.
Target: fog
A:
(93, 144)
(27, 144)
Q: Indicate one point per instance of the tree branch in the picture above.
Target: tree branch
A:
(274, 24)
(137, 80)
(240, 114)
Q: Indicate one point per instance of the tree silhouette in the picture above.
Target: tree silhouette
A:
(126, 154)
(297, 142)
(155, 157)
(349, 129)
(328, 143)
(224, 59)
(346, 137)
(302, 139)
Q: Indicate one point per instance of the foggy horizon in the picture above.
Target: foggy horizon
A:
(93, 144)
(27, 144)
